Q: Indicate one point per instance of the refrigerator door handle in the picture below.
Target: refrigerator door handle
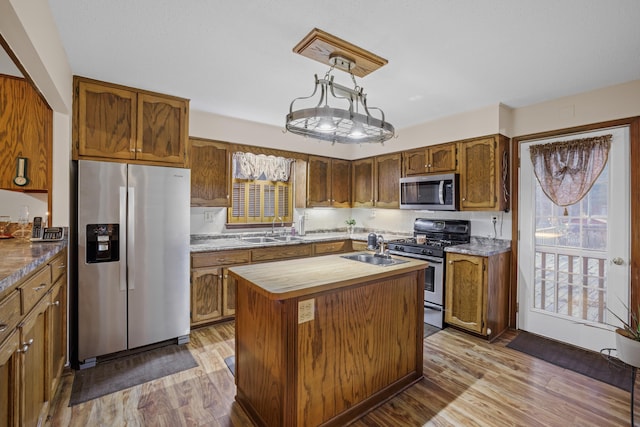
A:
(122, 237)
(131, 234)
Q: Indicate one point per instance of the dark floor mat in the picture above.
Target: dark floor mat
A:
(585, 362)
(119, 374)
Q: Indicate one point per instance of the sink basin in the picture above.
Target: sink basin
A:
(372, 259)
(286, 238)
(260, 239)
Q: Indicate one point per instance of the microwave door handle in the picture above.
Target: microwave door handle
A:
(441, 192)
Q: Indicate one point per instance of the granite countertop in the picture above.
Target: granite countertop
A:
(19, 257)
(481, 246)
(211, 243)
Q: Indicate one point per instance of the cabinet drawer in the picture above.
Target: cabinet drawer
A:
(9, 314)
(58, 266)
(358, 245)
(331, 247)
(210, 259)
(35, 288)
(281, 252)
(9, 347)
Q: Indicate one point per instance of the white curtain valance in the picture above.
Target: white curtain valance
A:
(261, 167)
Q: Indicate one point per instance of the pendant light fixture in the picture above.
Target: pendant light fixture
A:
(334, 112)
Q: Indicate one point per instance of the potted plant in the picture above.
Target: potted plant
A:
(350, 224)
(628, 338)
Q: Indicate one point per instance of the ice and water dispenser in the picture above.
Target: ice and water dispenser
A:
(102, 243)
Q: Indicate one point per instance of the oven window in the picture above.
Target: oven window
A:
(429, 279)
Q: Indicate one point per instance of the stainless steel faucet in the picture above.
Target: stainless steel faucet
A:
(273, 230)
(381, 250)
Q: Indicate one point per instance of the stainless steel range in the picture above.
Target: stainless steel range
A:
(430, 237)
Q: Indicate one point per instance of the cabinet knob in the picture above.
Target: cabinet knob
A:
(3, 327)
(450, 262)
(464, 198)
(56, 303)
(429, 165)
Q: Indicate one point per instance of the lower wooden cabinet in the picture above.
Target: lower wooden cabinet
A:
(213, 290)
(9, 379)
(34, 352)
(477, 293)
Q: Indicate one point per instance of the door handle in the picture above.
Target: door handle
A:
(617, 261)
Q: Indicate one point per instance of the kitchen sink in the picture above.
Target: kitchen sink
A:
(287, 238)
(373, 259)
(260, 239)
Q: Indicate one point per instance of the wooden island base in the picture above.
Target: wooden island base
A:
(327, 352)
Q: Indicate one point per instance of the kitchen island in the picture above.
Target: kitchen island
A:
(321, 341)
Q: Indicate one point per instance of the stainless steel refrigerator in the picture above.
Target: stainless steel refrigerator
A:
(133, 257)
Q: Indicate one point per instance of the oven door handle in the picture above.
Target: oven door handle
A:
(433, 307)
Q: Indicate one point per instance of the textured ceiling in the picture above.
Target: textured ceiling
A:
(234, 57)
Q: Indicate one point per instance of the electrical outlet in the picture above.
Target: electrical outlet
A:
(209, 216)
(494, 219)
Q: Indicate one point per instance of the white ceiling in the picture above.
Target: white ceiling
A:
(234, 57)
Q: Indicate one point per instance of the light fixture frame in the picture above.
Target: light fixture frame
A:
(356, 116)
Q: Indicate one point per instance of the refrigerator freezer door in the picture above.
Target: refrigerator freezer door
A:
(102, 296)
(158, 253)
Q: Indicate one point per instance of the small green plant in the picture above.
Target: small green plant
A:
(350, 222)
(631, 327)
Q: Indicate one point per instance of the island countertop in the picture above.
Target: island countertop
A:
(292, 278)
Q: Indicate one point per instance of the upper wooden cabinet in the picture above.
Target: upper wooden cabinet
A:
(484, 174)
(210, 165)
(328, 182)
(375, 181)
(25, 131)
(363, 181)
(387, 181)
(120, 123)
(434, 159)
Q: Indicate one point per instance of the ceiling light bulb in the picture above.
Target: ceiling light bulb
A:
(326, 125)
(357, 131)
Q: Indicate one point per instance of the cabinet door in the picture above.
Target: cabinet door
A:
(58, 328)
(228, 294)
(319, 182)
(478, 176)
(210, 173)
(206, 294)
(106, 124)
(340, 183)
(466, 288)
(25, 131)
(388, 181)
(9, 383)
(363, 182)
(35, 388)
(414, 162)
(443, 158)
(162, 129)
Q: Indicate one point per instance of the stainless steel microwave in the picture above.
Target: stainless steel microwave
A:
(430, 192)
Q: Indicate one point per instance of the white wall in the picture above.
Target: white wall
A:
(29, 29)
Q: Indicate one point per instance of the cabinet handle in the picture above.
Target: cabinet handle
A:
(25, 346)
(39, 288)
(429, 165)
(3, 327)
(450, 262)
(139, 150)
(132, 150)
(56, 303)
(60, 267)
(464, 198)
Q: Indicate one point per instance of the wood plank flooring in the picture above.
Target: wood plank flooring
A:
(468, 382)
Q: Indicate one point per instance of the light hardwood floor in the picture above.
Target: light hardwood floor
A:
(468, 382)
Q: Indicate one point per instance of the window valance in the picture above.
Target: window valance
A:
(566, 170)
(261, 167)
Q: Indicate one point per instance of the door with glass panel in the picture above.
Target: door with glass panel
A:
(573, 260)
